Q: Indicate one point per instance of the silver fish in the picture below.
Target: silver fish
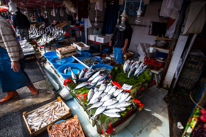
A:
(102, 87)
(128, 98)
(141, 71)
(126, 65)
(102, 95)
(122, 109)
(112, 114)
(109, 86)
(117, 92)
(110, 102)
(107, 97)
(93, 101)
(89, 74)
(130, 64)
(74, 77)
(131, 71)
(96, 105)
(97, 78)
(101, 82)
(138, 69)
(112, 106)
(90, 94)
(119, 96)
(89, 70)
(124, 97)
(113, 110)
(98, 111)
(97, 94)
(81, 75)
(123, 104)
(81, 85)
(134, 64)
(112, 90)
(96, 89)
(65, 70)
(94, 76)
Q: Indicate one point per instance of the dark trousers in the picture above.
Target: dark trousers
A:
(24, 33)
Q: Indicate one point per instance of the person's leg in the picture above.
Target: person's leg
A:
(21, 32)
(26, 34)
(31, 87)
(119, 55)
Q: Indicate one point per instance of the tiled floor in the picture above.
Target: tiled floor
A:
(152, 121)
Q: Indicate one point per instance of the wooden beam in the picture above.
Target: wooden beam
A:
(174, 41)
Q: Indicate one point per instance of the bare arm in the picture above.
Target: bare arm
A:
(125, 46)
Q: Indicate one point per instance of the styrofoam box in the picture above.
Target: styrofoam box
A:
(92, 37)
(103, 39)
(81, 48)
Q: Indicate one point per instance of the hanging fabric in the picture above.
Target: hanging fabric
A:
(110, 18)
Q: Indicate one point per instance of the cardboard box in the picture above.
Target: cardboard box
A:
(92, 37)
(103, 39)
(75, 117)
(25, 114)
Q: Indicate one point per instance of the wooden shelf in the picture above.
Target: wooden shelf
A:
(163, 50)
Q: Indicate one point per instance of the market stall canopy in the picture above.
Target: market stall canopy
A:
(3, 8)
(39, 3)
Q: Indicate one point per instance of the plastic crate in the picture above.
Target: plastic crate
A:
(195, 62)
(191, 74)
(186, 84)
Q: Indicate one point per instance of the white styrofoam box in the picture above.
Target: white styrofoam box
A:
(103, 39)
(109, 35)
(92, 37)
(86, 47)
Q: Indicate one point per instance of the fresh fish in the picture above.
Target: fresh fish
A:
(102, 87)
(65, 70)
(109, 86)
(123, 104)
(96, 105)
(90, 94)
(102, 95)
(81, 75)
(119, 96)
(89, 70)
(112, 106)
(74, 77)
(93, 101)
(98, 111)
(88, 75)
(134, 64)
(141, 71)
(101, 82)
(128, 98)
(113, 110)
(112, 90)
(81, 85)
(94, 76)
(131, 72)
(124, 97)
(110, 102)
(97, 78)
(112, 114)
(117, 92)
(138, 69)
(91, 85)
(95, 89)
(130, 64)
(107, 97)
(122, 109)
(97, 94)
(126, 65)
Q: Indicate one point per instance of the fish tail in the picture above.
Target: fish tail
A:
(69, 68)
(92, 118)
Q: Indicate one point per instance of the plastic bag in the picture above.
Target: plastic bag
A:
(12, 7)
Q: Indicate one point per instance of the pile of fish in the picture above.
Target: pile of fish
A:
(108, 100)
(90, 61)
(68, 128)
(46, 115)
(89, 78)
(134, 67)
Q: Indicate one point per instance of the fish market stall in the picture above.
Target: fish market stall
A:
(27, 48)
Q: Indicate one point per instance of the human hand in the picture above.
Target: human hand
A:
(15, 65)
(123, 50)
(110, 44)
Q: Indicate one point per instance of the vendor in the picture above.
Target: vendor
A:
(121, 41)
(12, 62)
(22, 23)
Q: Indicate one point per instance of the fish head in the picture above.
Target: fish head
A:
(102, 75)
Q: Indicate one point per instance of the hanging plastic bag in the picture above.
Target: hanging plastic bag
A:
(53, 12)
(12, 7)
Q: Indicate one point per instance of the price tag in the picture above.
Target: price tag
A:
(126, 87)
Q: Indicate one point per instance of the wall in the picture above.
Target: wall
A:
(140, 34)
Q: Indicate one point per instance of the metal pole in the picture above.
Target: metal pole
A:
(183, 62)
(80, 61)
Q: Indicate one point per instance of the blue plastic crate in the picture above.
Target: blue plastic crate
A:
(57, 62)
(51, 54)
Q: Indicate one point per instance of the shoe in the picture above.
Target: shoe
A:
(10, 95)
(32, 89)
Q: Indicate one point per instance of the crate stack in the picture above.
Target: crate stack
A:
(191, 72)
